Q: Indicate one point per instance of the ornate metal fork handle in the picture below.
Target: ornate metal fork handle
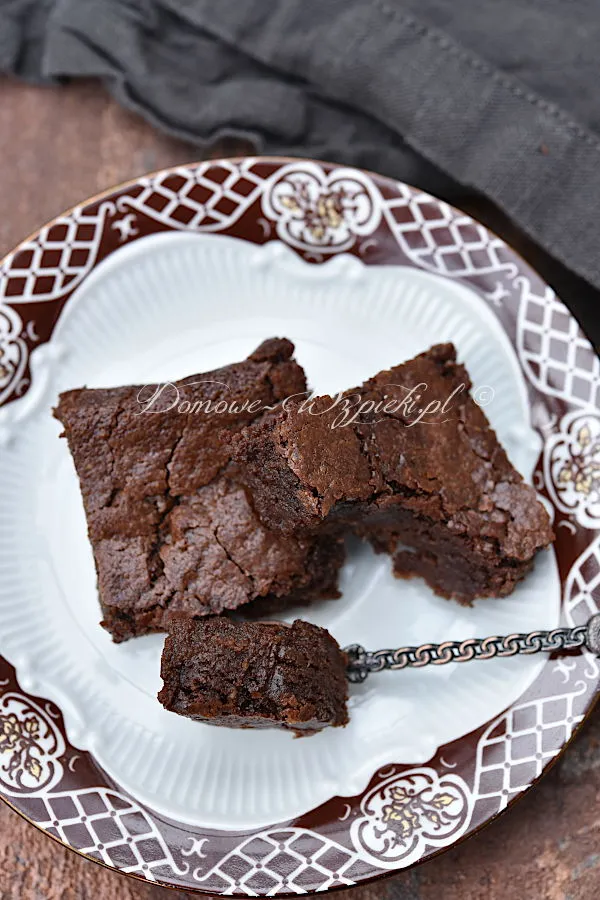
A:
(362, 662)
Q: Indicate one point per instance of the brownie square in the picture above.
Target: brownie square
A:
(254, 674)
(170, 528)
(434, 489)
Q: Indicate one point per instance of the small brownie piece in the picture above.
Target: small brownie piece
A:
(254, 674)
(170, 529)
(434, 489)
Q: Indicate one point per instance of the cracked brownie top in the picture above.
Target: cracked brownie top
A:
(168, 526)
(407, 458)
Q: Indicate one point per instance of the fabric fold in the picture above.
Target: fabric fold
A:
(453, 98)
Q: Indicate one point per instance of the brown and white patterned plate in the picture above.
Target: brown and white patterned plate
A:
(190, 268)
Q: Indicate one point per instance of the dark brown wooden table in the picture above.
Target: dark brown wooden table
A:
(59, 146)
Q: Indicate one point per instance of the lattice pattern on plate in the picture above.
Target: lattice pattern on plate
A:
(56, 259)
(582, 588)
(209, 197)
(109, 827)
(439, 238)
(516, 748)
(554, 352)
(293, 860)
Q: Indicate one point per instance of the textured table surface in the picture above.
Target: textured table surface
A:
(59, 146)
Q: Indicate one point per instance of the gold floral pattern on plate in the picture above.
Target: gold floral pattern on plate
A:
(322, 212)
(409, 811)
(30, 746)
(572, 467)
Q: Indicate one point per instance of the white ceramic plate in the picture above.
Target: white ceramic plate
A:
(155, 299)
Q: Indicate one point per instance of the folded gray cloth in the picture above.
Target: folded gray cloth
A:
(499, 96)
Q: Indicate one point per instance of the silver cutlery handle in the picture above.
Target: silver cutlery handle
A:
(362, 663)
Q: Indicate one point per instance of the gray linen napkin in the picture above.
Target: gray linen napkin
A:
(498, 96)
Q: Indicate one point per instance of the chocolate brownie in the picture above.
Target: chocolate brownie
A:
(254, 674)
(170, 528)
(434, 488)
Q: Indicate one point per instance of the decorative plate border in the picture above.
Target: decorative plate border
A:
(406, 814)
